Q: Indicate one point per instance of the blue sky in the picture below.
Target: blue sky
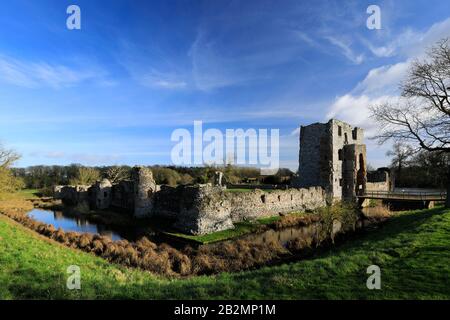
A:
(114, 91)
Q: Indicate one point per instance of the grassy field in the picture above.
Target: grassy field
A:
(22, 194)
(412, 251)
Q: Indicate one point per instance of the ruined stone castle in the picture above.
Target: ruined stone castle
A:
(332, 166)
(194, 209)
(333, 156)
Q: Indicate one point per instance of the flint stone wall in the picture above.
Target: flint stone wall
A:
(101, 194)
(73, 195)
(204, 209)
(144, 190)
(199, 209)
(259, 204)
(321, 156)
(379, 180)
(377, 186)
(123, 196)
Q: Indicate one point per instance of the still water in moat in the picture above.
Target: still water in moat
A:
(67, 221)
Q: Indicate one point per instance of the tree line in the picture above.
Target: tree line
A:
(418, 168)
(45, 177)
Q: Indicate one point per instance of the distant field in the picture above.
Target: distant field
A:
(22, 194)
(411, 250)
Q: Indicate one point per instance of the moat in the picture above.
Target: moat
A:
(67, 220)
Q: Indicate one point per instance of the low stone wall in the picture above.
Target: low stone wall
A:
(377, 186)
(379, 180)
(213, 208)
(258, 204)
(258, 186)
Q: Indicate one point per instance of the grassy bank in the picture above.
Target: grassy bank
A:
(240, 229)
(411, 250)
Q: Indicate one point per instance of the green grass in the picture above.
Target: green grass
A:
(23, 194)
(272, 219)
(412, 250)
(240, 229)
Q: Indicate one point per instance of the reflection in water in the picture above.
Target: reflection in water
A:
(72, 223)
(285, 235)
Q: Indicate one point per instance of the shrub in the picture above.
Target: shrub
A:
(84, 241)
(97, 247)
(344, 212)
(143, 244)
(295, 220)
(165, 176)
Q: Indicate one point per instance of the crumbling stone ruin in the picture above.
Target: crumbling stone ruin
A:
(206, 208)
(196, 209)
(134, 195)
(380, 180)
(101, 194)
(218, 176)
(144, 191)
(332, 167)
(332, 156)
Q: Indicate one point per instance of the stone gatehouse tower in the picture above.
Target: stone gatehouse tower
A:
(333, 156)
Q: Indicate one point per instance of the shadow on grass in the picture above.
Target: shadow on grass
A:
(338, 272)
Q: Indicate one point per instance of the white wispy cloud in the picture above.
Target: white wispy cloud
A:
(381, 84)
(158, 79)
(217, 63)
(383, 80)
(345, 49)
(32, 74)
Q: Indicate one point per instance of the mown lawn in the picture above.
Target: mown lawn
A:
(412, 251)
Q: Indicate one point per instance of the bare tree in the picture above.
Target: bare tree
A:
(116, 174)
(85, 176)
(422, 115)
(400, 154)
(7, 157)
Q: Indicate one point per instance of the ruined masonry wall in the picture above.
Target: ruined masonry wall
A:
(259, 204)
(378, 186)
(199, 209)
(204, 209)
(144, 190)
(311, 168)
(342, 134)
(379, 180)
(322, 156)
